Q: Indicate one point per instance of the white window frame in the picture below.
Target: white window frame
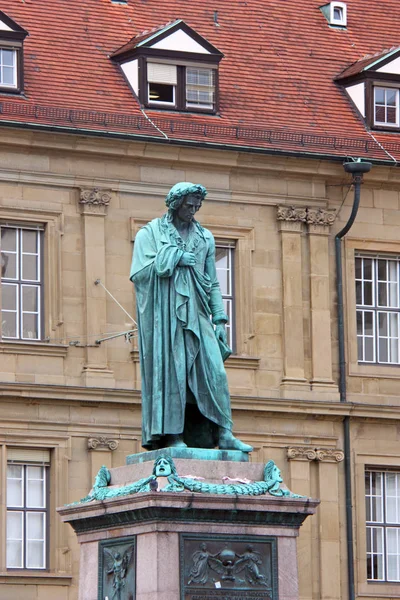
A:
(380, 525)
(229, 298)
(385, 105)
(375, 346)
(25, 510)
(20, 283)
(342, 7)
(14, 84)
(198, 86)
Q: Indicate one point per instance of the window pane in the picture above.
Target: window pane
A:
(8, 75)
(35, 487)
(15, 491)
(8, 265)
(380, 116)
(358, 267)
(35, 555)
(368, 294)
(382, 294)
(9, 296)
(30, 241)
(379, 95)
(391, 115)
(14, 525)
(7, 57)
(8, 239)
(35, 526)
(368, 322)
(368, 268)
(30, 326)
(391, 97)
(30, 267)
(14, 554)
(161, 92)
(30, 298)
(9, 324)
(358, 292)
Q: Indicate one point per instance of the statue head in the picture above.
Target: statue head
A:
(272, 473)
(164, 466)
(180, 191)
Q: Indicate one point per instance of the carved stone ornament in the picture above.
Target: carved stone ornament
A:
(291, 213)
(317, 454)
(102, 442)
(94, 197)
(312, 216)
(320, 216)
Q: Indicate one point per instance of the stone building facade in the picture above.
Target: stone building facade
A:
(78, 402)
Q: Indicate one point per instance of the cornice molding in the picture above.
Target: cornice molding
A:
(315, 454)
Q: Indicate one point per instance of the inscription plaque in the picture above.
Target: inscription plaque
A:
(117, 569)
(217, 567)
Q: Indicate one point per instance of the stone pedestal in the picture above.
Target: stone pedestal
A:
(189, 546)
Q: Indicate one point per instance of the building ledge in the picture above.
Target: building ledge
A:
(34, 348)
(36, 578)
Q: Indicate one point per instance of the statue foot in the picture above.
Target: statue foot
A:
(175, 441)
(227, 441)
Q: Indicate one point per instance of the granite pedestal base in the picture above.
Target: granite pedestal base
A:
(189, 546)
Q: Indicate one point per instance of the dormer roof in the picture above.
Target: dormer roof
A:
(175, 36)
(386, 61)
(9, 29)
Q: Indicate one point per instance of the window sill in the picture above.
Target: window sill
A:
(34, 348)
(25, 578)
(236, 361)
(374, 370)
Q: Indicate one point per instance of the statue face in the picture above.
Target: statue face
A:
(163, 468)
(189, 208)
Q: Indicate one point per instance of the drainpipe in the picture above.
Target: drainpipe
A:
(357, 169)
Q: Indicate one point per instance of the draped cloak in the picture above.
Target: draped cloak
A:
(177, 345)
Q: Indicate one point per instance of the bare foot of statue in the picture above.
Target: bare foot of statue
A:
(227, 441)
(175, 441)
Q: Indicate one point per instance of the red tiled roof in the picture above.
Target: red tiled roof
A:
(277, 88)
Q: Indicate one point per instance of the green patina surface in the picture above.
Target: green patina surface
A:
(189, 453)
(164, 470)
(182, 337)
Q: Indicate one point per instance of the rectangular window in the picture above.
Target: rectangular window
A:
(21, 282)
(378, 309)
(224, 259)
(200, 88)
(162, 81)
(382, 503)
(27, 509)
(386, 106)
(8, 68)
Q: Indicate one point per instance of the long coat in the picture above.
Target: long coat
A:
(180, 359)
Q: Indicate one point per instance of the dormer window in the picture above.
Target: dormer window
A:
(373, 84)
(335, 13)
(11, 41)
(173, 68)
(338, 14)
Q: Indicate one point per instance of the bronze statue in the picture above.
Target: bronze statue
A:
(182, 339)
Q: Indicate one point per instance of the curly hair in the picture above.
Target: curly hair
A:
(179, 191)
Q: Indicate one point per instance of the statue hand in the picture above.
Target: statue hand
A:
(188, 259)
(220, 333)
